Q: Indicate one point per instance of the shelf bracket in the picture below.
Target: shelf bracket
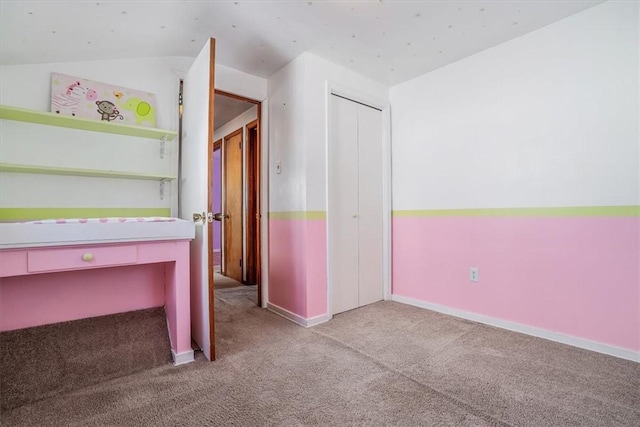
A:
(163, 143)
(162, 188)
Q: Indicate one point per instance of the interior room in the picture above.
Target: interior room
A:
(320, 213)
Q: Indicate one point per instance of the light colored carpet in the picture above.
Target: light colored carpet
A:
(384, 364)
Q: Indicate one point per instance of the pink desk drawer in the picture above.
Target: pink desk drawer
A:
(79, 258)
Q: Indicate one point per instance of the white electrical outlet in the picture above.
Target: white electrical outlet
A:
(474, 274)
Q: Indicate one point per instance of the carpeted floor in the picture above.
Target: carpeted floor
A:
(45, 361)
(384, 364)
(224, 282)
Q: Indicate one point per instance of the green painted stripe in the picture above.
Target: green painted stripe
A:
(30, 214)
(298, 215)
(53, 119)
(596, 211)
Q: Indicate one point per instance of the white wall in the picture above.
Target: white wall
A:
(298, 123)
(547, 119)
(28, 86)
(287, 118)
(240, 83)
(321, 72)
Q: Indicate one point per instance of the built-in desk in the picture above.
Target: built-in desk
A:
(49, 284)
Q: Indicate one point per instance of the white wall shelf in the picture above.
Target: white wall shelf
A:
(51, 170)
(52, 119)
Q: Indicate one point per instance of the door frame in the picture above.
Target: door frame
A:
(385, 107)
(253, 162)
(216, 145)
(262, 227)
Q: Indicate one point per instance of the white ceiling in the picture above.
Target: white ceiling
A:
(227, 109)
(388, 41)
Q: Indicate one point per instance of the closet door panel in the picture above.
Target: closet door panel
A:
(370, 204)
(343, 205)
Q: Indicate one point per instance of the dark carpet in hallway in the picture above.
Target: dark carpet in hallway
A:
(224, 282)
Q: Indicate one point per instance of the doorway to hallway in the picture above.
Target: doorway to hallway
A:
(235, 190)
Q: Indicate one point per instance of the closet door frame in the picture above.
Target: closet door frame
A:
(363, 98)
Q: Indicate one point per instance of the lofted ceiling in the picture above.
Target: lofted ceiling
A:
(227, 109)
(388, 41)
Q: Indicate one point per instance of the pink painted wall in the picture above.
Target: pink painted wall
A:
(40, 299)
(576, 276)
(287, 265)
(316, 267)
(298, 266)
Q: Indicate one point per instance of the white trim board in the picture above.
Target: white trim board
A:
(182, 358)
(298, 319)
(313, 321)
(179, 358)
(524, 329)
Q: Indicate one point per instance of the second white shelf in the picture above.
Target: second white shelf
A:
(51, 170)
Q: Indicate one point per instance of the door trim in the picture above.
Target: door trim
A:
(217, 145)
(253, 200)
(384, 106)
(212, 76)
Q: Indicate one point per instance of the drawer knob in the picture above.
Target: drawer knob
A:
(87, 257)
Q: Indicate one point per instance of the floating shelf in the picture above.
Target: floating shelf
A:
(50, 170)
(52, 119)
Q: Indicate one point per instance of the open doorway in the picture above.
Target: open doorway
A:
(235, 192)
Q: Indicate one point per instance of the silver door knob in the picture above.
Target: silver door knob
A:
(204, 217)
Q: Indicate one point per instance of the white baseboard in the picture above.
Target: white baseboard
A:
(525, 329)
(287, 314)
(179, 358)
(313, 321)
(182, 358)
(298, 319)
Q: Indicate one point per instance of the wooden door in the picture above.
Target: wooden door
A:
(197, 137)
(233, 195)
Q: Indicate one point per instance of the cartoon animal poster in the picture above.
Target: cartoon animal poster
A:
(78, 97)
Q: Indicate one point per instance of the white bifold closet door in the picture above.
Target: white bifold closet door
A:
(355, 205)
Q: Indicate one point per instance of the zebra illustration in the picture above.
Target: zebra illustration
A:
(68, 102)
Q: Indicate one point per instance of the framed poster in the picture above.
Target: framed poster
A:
(74, 96)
